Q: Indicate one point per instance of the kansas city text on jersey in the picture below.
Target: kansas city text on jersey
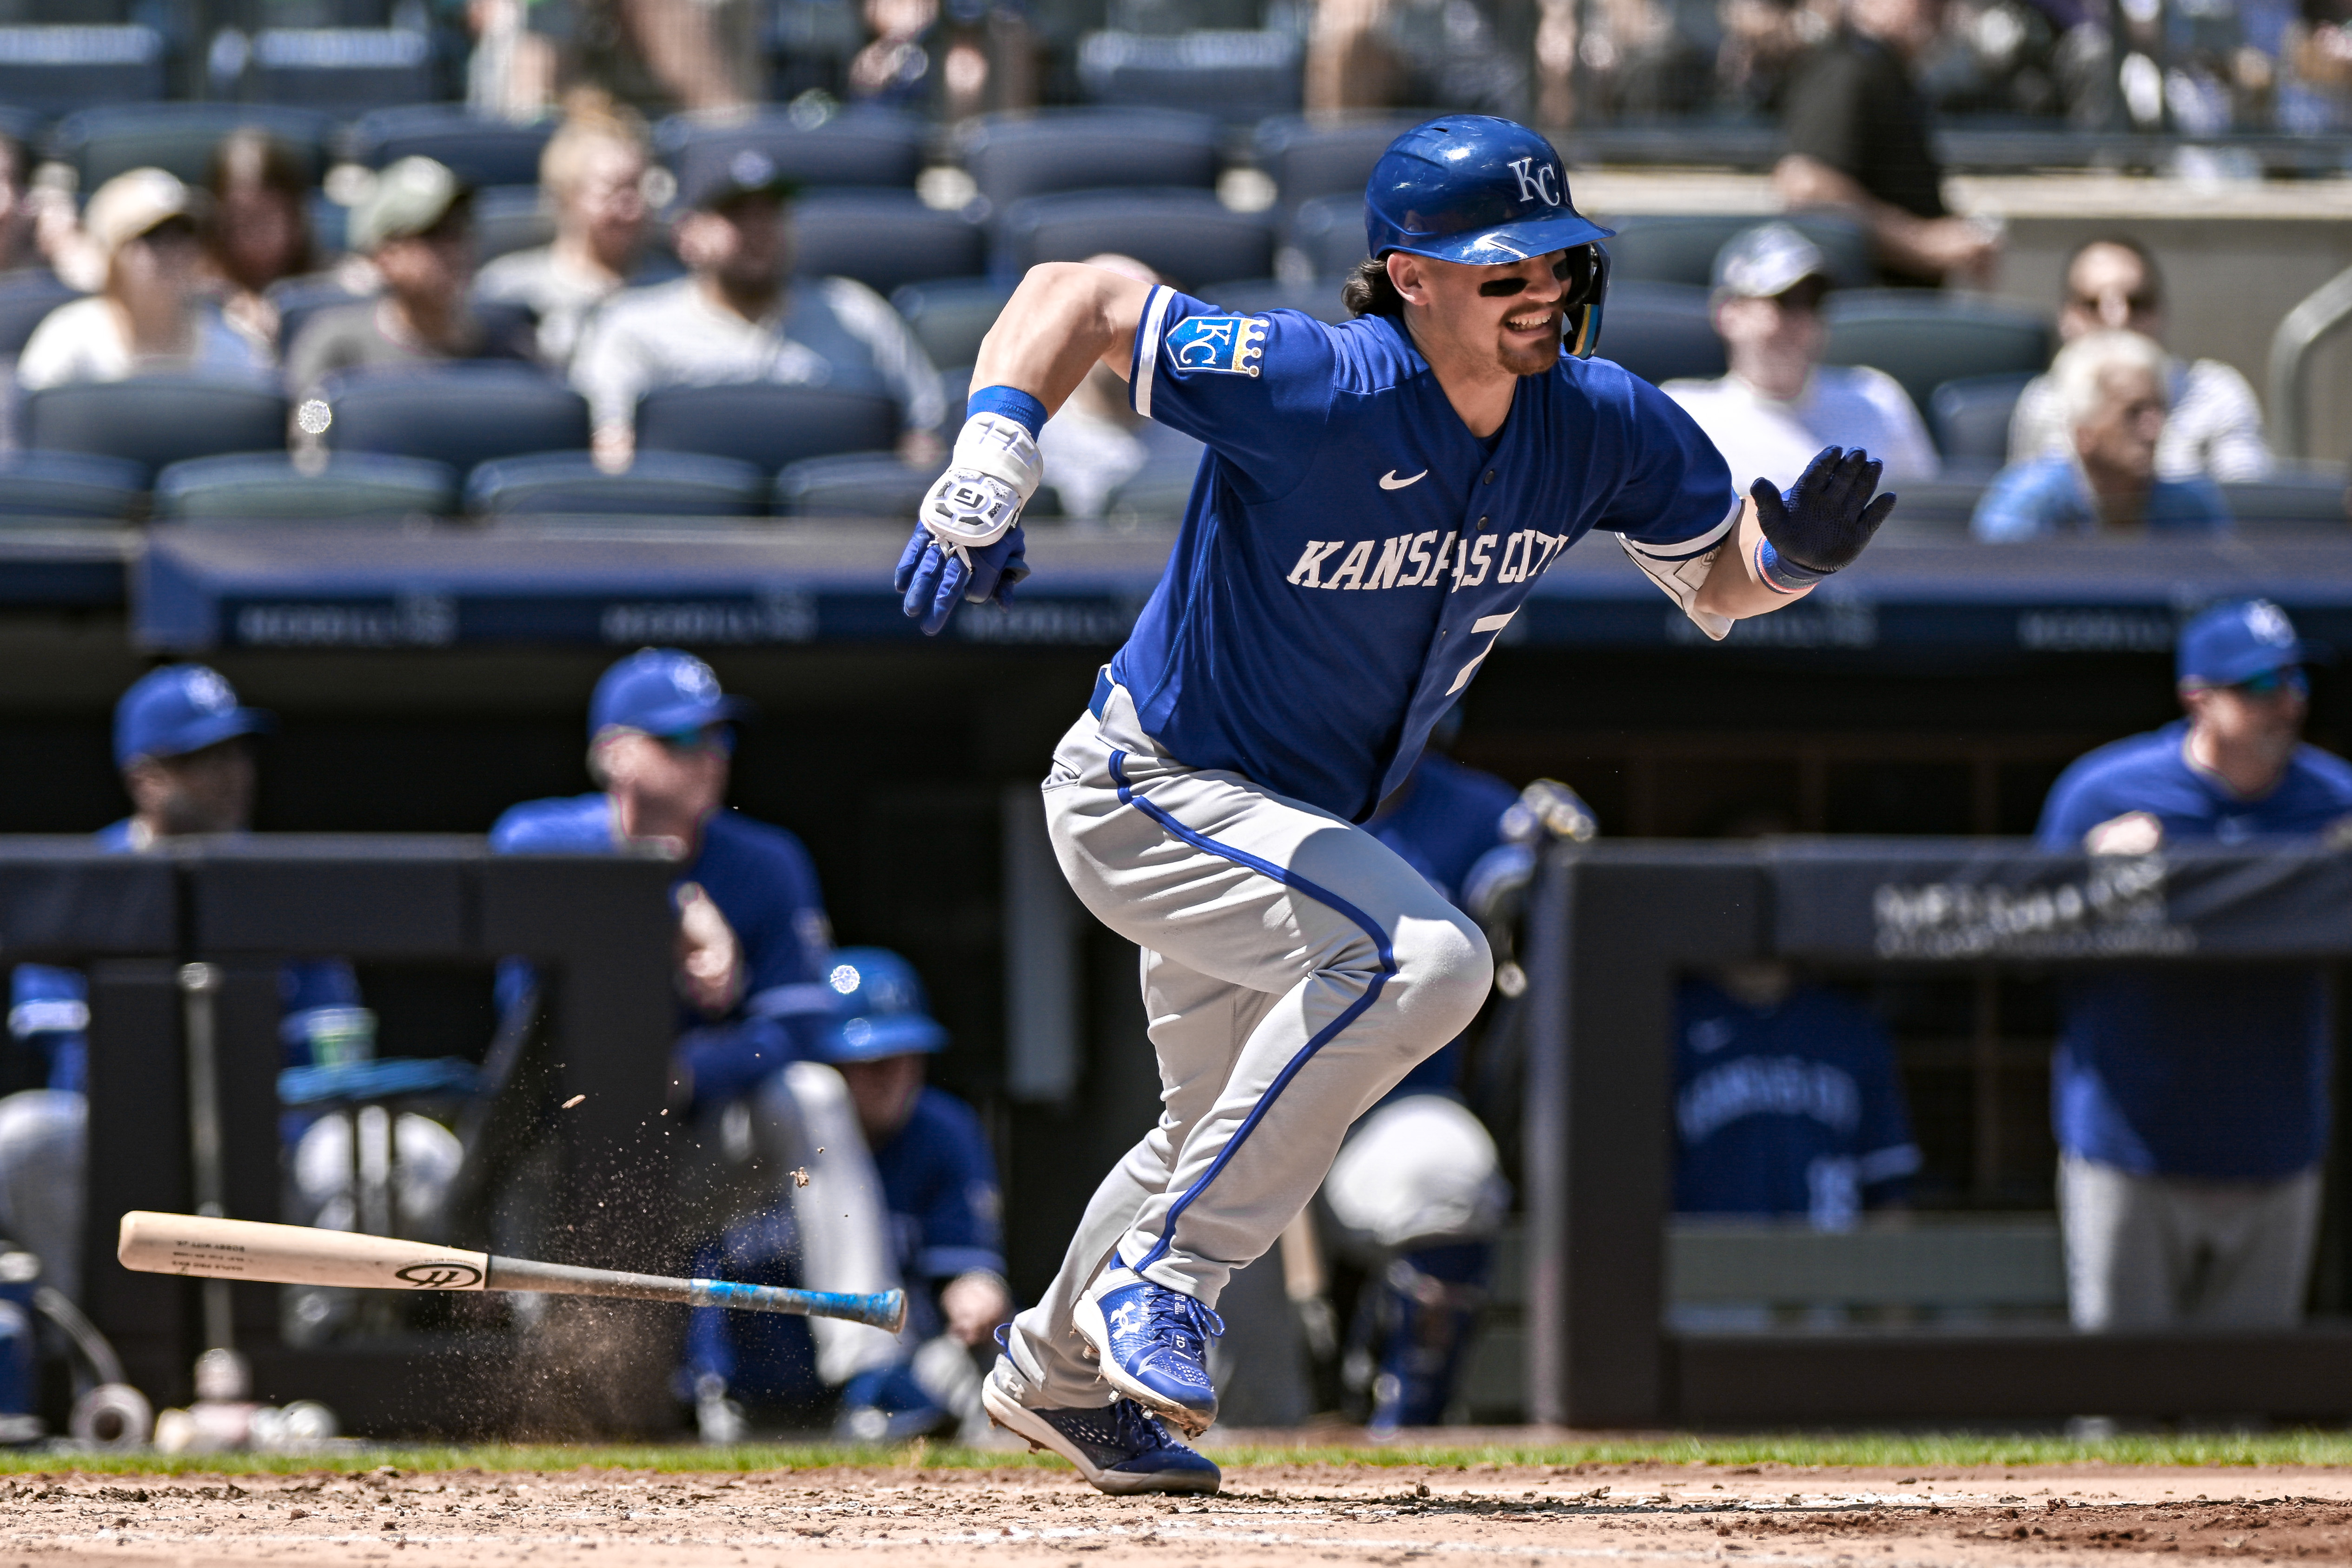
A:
(1407, 561)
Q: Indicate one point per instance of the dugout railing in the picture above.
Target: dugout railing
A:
(1612, 927)
(188, 943)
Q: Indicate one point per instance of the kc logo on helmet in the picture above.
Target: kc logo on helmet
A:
(1537, 182)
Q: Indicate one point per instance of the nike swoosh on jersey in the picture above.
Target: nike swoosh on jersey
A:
(1389, 481)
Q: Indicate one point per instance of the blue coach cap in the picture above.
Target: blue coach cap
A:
(882, 1011)
(2238, 640)
(1472, 188)
(661, 691)
(178, 709)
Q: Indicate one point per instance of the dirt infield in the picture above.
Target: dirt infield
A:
(1270, 1513)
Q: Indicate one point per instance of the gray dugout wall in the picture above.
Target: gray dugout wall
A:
(1612, 927)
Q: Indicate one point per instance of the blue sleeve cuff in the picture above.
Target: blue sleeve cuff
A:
(1010, 401)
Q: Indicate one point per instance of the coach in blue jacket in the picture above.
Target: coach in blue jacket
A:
(2191, 1103)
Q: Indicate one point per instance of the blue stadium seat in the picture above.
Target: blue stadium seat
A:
(2292, 497)
(344, 70)
(951, 316)
(1249, 296)
(1011, 157)
(1660, 331)
(1240, 77)
(853, 485)
(50, 487)
(1326, 233)
(869, 147)
(509, 219)
(159, 420)
(766, 424)
(1311, 158)
(58, 69)
(268, 486)
(1681, 248)
(102, 141)
(883, 239)
(1924, 338)
(25, 298)
(300, 298)
(659, 484)
(480, 151)
(1187, 236)
(463, 414)
(1969, 418)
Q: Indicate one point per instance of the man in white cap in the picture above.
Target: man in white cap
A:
(1781, 405)
(149, 315)
(416, 224)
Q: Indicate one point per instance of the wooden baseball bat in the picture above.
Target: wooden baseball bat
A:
(299, 1254)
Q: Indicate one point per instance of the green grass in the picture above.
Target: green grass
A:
(1924, 1451)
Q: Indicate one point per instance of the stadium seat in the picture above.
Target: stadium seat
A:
(480, 151)
(1155, 494)
(159, 420)
(1011, 157)
(1186, 236)
(951, 316)
(1660, 331)
(1681, 248)
(103, 141)
(25, 298)
(509, 219)
(1306, 159)
(1924, 338)
(768, 425)
(869, 147)
(1240, 77)
(461, 413)
(1969, 418)
(1327, 234)
(1932, 512)
(883, 239)
(659, 484)
(268, 486)
(57, 69)
(2292, 497)
(38, 489)
(853, 484)
(344, 70)
(1319, 300)
(300, 298)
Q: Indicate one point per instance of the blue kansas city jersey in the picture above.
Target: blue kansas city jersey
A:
(1351, 552)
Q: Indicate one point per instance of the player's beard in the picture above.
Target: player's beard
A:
(1526, 356)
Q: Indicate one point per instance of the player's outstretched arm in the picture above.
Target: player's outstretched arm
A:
(1789, 541)
(967, 545)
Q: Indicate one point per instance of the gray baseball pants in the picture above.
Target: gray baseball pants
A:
(1294, 970)
(2159, 1252)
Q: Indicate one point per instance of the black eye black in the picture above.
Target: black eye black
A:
(1502, 288)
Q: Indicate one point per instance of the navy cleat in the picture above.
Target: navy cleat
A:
(1154, 1345)
(1120, 1448)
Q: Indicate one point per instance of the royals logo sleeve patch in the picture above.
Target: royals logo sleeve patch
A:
(1231, 345)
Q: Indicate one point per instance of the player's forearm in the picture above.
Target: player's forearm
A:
(1733, 588)
(1063, 318)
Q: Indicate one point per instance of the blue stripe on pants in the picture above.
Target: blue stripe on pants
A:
(1355, 1009)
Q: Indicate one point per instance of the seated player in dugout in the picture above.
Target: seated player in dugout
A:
(938, 1179)
(1375, 503)
(754, 1009)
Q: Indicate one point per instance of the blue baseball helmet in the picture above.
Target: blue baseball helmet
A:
(661, 691)
(1487, 191)
(178, 709)
(882, 1008)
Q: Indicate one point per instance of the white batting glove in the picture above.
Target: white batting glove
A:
(992, 473)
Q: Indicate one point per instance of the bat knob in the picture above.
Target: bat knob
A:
(893, 1303)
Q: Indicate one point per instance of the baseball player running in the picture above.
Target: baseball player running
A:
(1376, 501)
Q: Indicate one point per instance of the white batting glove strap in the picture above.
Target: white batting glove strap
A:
(995, 470)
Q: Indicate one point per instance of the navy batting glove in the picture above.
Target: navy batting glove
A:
(1821, 522)
(933, 579)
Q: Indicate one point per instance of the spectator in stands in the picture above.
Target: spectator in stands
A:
(19, 248)
(755, 952)
(2112, 387)
(593, 172)
(259, 231)
(939, 1181)
(739, 317)
(2214, 427)
(416, 225)
(152, 315)
(1095, 443)
(2190, 1102)
(1857, 138)
(1779, 404)
(184, 744)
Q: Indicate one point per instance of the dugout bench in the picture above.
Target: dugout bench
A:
(185, 944)
(1611, 929)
